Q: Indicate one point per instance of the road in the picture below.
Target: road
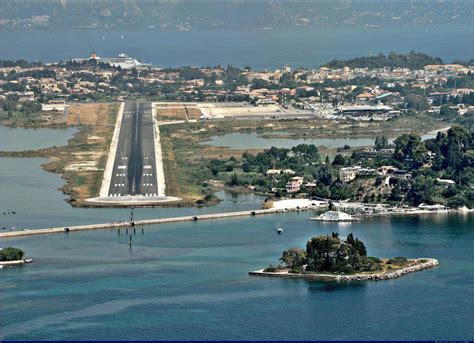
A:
(134, 170)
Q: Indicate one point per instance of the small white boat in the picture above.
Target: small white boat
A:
(279, 230)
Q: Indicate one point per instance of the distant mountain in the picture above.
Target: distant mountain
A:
(231, 14)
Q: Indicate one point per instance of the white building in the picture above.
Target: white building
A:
(348, 174)
(335, 216)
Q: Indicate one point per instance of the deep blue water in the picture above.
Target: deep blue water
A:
(257, 48)
(189, 281)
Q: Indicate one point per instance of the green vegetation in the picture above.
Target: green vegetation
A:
(330, 254)
(11, 109)
(449, 156)
(398, 260)
(467, 121)
(303, 160)
(419, 166)
(11, 254)
(412, 60)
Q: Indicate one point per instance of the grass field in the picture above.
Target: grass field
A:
(82, 162)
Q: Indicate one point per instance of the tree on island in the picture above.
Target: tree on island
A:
(11, 254)
(294, 257)
(331, 254)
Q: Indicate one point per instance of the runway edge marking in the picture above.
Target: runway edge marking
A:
(160, 173)
(107, 177)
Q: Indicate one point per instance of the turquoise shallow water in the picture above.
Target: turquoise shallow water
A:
(189, 281)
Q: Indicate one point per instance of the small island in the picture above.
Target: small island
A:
(12, 256)
(331, 258)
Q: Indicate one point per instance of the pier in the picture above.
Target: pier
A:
(127, 224)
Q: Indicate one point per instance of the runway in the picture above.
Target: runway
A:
(134, 169)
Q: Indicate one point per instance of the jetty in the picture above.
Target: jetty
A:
(127, 224)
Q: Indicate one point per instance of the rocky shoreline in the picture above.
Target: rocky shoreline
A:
(421, 264)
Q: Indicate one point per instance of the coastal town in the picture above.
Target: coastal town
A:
(434, 171)
(32, 93)
(397, 176)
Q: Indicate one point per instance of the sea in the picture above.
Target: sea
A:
(186, 281)
(256, 48)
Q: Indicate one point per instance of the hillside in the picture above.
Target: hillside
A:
(235, 14)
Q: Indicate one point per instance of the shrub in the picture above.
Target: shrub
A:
(270, 269)
(398, 260)
(374, 259)
(296, 270)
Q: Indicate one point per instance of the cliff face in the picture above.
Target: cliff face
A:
(235, 14)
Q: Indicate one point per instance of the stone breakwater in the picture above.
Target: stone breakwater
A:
(393, 274)
(420, 264)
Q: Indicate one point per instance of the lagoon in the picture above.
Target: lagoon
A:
(19, 139)
(255, 140)
(35, 197)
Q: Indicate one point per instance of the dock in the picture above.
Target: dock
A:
(127, 224)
